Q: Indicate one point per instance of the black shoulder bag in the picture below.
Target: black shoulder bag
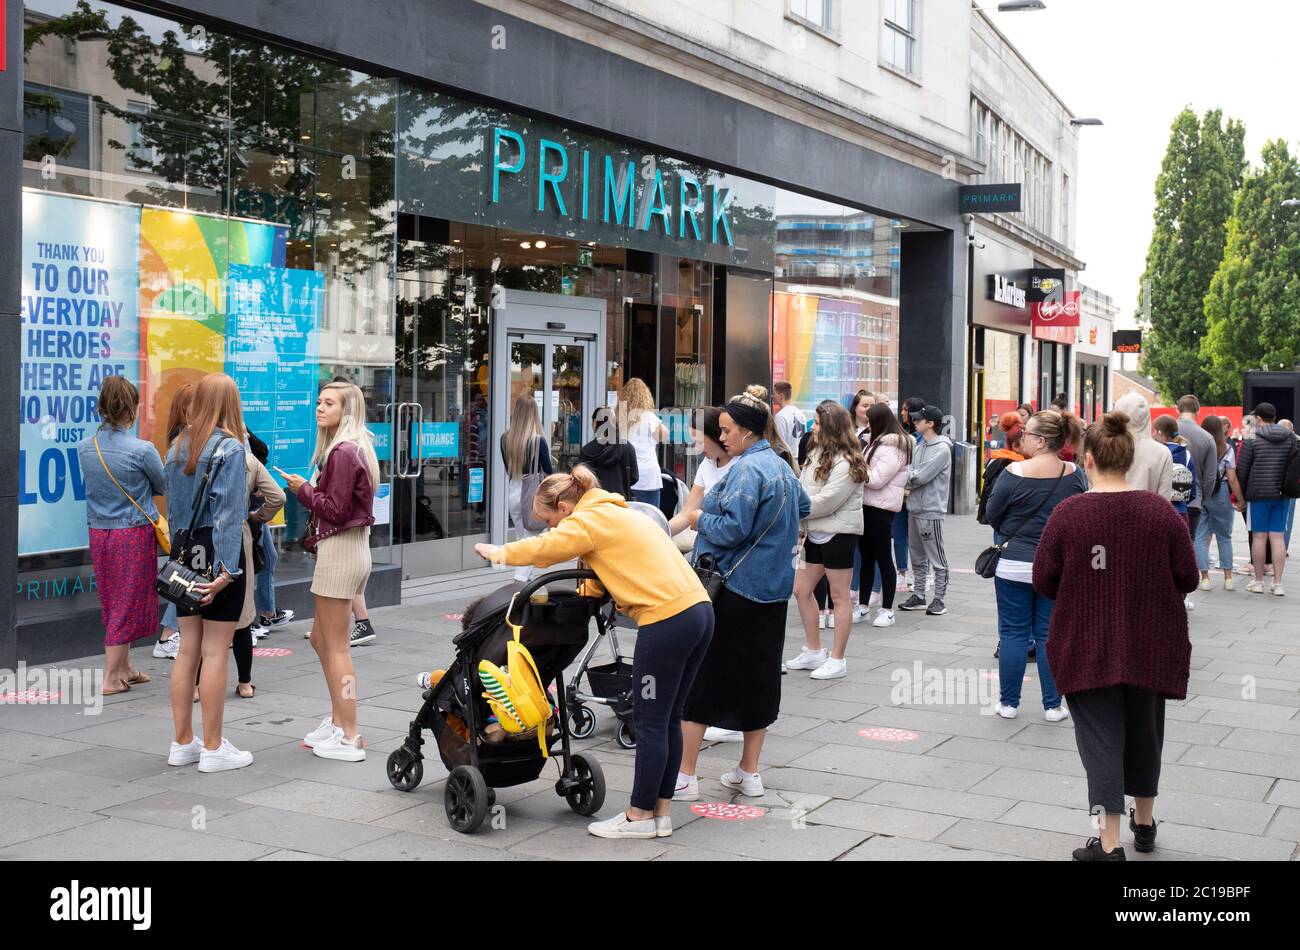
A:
(177, 581)
(986, 565)
(706, 566)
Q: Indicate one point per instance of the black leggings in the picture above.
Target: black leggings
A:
(877, 552)
(822, 592)
(243, 647)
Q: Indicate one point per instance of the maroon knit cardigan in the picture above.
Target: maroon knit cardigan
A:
(1117, 564)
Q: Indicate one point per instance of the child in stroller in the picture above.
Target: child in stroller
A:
(477, 752)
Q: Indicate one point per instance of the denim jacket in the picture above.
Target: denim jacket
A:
(227, 506)
(138, 469)
(739, 508)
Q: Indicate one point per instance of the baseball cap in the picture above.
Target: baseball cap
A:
(931, 414)
(1265, 409)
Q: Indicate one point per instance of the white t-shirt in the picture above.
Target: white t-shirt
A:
(790, 426)
(709, 474)
(644, 437)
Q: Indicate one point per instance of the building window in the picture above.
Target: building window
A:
(1065, 209)
(140, 156)
(900, 36)
(817, 12)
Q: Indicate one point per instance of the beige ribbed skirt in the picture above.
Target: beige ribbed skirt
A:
(342, 564)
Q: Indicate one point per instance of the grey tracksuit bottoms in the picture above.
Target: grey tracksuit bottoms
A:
(925, 549)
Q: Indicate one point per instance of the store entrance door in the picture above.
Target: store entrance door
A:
(550, 347)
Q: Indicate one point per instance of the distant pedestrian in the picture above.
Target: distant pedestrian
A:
(1260, 469)
(927, 507)
(1185, 489)
(1216, 512)
(169, 642)
(122, 474)
(611, 460)
(1117, 562)
(790, 420)
(1290, 502)
(1019, 507)
(526, 451)
(902, 528)
(1153, 467)
(644, 430)
(889, 456)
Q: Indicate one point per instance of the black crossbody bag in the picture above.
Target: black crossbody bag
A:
(986, 565)
(706, 566)
(177, 581)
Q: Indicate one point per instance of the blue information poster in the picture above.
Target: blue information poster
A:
(383, 436)
(273, 354)
(80, 324)
(438, 440)
(475, 485)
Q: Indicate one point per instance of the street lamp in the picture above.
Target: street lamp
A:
(1086, 121)
(1014, 6)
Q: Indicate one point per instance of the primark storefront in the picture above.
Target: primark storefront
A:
(196, 198)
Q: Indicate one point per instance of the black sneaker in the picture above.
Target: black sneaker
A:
(1144, 836)
(1033, 651)
(936, 607)
(278, 619)
(362, 632)
(913, 603)
(1092, 852)
(997, 650)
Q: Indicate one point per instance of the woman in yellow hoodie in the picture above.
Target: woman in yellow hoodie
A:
(648, 578)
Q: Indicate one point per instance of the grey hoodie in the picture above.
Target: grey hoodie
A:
(929, 478)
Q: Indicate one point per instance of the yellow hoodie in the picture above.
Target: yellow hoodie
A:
(635, 560)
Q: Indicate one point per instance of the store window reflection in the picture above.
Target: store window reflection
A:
(240, 199)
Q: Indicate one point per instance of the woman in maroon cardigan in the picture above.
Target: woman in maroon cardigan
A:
(1118, 562)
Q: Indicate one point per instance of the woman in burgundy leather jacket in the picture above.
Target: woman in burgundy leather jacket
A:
(341, 504)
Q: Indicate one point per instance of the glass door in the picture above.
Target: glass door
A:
(554, 371)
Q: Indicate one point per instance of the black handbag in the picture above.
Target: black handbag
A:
(986, 564)
(177, 581)
(706, 565)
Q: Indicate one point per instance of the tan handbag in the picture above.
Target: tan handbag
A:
(160, 529)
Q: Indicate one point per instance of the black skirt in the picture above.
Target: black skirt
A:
(739, 682)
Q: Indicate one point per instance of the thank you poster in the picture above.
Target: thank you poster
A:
(80, 324)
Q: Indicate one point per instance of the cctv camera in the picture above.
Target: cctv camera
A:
(976, 243)
(967, 218)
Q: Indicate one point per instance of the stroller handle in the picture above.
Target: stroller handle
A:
(525, 594)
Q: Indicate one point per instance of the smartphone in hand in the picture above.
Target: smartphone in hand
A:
(282, 473)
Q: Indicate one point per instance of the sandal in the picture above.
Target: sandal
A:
(240, 686)
(125, 688)
(139, 677)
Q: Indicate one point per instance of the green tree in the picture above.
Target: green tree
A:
(1253, 305)
(1201, 172)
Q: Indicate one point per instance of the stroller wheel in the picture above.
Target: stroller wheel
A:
(405, 770)
(582, 722)
(589, 797)
(626, 736)
(465, 799)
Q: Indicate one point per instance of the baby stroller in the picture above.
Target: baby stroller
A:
(457, 715)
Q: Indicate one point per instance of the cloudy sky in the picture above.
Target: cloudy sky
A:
(1134, 64)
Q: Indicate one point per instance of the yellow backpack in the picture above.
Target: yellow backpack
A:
(516, 694)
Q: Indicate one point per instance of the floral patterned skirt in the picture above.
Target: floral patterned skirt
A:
(126, 570)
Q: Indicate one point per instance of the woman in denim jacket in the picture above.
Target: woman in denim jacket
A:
(215, 435)
(749, 522)
(120, 517)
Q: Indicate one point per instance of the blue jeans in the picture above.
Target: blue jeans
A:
(1290, 521)
(264, 583)
(1023, 615)
(1216, 519)
(900, 539)
(169, 621)
(649, 496)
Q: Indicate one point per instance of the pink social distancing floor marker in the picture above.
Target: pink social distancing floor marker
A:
(880, 734)
(271, 651)
(29, 697)
(727, 811)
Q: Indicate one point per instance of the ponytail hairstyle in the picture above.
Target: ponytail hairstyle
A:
(1110, 443)
(351, 428)
(1168, 427)
(1058, 429)
(834, 440)
(1013, 428)
(564, 486)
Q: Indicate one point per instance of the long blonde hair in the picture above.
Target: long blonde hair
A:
(635, 396)
(525, 429)
(216, 405)
(351, 428)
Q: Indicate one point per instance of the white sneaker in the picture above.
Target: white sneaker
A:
(861, 613)
(169, 648)
(830, 620)
(808, 660)
(821, 620)
(830, 670)
(1187, 604)
(259, 632)
(749, 785)
(687, 788)
(306, 634)
(224, 758)
(341, 749)
(320, 733)
(714, 734)
(663, 826)
(1205, 583)
(185, 754)
(1277, 590)
(1228, 583)
(1255, 587)
(1056, 715)
(1007, 712)
(874, 600)
(884, 618)
(620, 826)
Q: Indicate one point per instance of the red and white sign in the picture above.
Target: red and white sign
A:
(1062, 311)
(726, 811)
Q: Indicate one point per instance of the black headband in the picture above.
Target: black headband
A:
(747, 416)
